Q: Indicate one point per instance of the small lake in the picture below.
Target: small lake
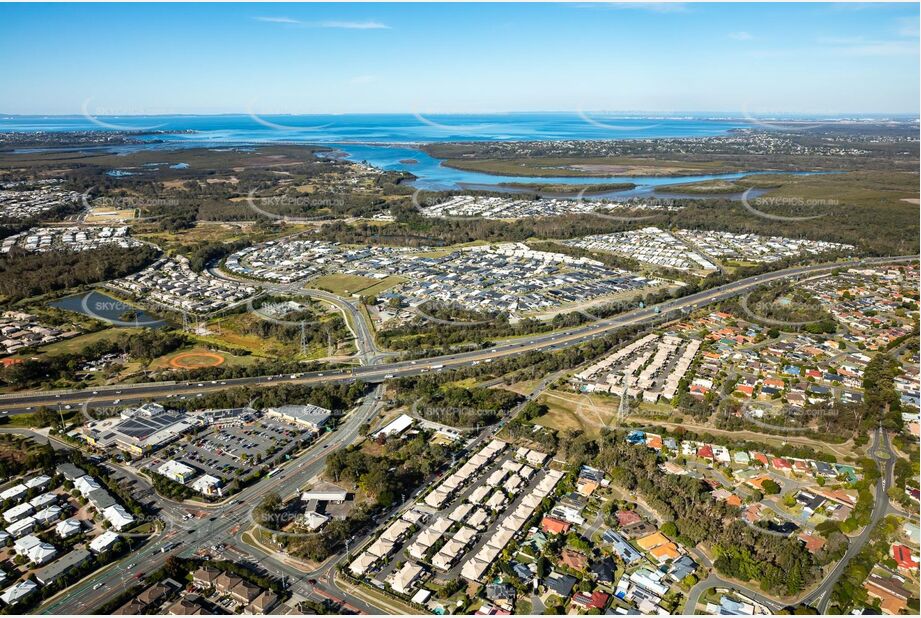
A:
(103, 307)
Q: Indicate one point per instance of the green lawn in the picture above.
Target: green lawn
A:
(75, 344)
(346, 285)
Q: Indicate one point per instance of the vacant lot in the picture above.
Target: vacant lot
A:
(347, 285)
(571, 411)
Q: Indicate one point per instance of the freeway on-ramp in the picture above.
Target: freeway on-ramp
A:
(17, 403)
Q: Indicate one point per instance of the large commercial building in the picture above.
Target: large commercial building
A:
(139, 430)
(312, 417)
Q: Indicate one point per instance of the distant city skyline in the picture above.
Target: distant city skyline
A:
(754, 59)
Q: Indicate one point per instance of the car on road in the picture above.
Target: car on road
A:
(99, 585)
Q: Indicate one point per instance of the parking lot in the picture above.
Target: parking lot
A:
(226, 452)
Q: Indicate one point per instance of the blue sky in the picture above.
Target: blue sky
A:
(118, 59)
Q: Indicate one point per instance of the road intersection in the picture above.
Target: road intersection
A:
(227, 522)
(378, 371)
(819, 596)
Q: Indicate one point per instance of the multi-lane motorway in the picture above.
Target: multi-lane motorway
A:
(380, 371)
(227, 521)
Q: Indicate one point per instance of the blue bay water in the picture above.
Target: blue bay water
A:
(388, 141)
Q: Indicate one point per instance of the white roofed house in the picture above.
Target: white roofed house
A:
(447, 555)
(536, 458)
(496, 478)
(118, 517)
(436, 498)
(21, 527)
(479, 494)
(404, 579)
(104, 542)
(474, 568)
(14, 493)
(396, 531)
(426, 539)
(40, 502)
(85, 484)
(35, 550)
(478, 519)
(18, 512)
(362, 564)
(496, 500)
(48, 515)
(381, 548)
(18, 591)
(460, 512)
(39, 482)
(68, 528)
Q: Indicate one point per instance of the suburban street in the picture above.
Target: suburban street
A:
(219, 523)
(128, 394)
(226, 522)
(820, 596)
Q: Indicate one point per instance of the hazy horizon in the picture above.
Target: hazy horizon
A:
(677, 114)
(273, 59)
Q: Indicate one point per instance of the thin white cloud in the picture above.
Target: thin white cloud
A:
(741, 36)
(334, 24)
(279, 20)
